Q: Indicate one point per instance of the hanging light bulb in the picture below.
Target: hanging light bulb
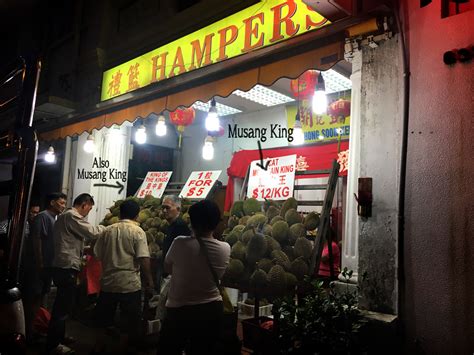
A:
(212, 120)
(89, 145)
(140, 134)
(161, 126)
(320, 100)
(208, 149)
(49, 156)
(298, 134)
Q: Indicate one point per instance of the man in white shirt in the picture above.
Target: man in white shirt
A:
(70, 231)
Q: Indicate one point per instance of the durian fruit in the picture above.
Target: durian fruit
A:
(246, 236)
(118, 203)
(133, 198)
(154, 249)
(266, 229)
(297, 230)
(147, 224)
(277, 280)
(238, 228)
(303, 247)
(159, 237)
(113, 220)
(115, 211)
(289, 251)
(164, 225)
(251, 206)
(256, 249)
(143, 215)
(265, 264)
(151, 202)
(258, 280)
(155, 222)
(299, 268)
(232, 238)
(243, 220)
(288, 204)
(281, 259)
(280, 231)
(276, 219)
(232, 222)
(272, 212)
(256, 219)
(270, 203)
(150, 237)
(292, 217)
(186, 218)
(291, 281)
(237, 209)
(238, 251)
(234, 269)
(311, 221)
(272, 245)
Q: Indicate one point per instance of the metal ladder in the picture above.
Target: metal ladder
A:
(323, 229)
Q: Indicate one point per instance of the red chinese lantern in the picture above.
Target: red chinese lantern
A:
(182, 117)
(340, 109)
(305, 84)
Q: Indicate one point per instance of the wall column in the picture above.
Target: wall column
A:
(350, 244)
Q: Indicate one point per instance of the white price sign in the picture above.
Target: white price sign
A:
(199, 184)
(275, 183)
(154, 184)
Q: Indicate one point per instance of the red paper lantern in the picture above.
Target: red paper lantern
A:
(181, 118)
(305, 84)
(340, 109)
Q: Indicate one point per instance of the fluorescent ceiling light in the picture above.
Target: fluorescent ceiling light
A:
(222, 110)
(264, 96)
(335, 82)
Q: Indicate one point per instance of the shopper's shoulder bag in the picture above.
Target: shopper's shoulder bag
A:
(228, 342)
(228, 308)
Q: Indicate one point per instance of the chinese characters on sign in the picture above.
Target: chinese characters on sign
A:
(199, 184)
(257, 26)
(275, 183)
(154, 184)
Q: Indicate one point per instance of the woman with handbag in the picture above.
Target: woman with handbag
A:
(194, 308)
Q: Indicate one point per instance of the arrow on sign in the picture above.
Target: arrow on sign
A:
(263, 165)
(117, 186)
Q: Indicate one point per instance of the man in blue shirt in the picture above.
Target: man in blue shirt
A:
(38, 253)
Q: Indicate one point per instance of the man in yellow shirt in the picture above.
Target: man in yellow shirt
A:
(123, 251)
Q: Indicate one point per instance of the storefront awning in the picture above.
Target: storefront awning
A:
(322, 58)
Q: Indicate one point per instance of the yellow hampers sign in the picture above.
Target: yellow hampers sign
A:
(255, 27)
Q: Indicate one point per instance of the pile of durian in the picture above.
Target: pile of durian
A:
(270, 246)
(150, 219)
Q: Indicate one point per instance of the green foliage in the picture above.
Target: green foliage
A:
(324, 322)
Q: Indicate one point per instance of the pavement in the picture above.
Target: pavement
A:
(79, 327)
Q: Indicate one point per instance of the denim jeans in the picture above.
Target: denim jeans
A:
(65, 281)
